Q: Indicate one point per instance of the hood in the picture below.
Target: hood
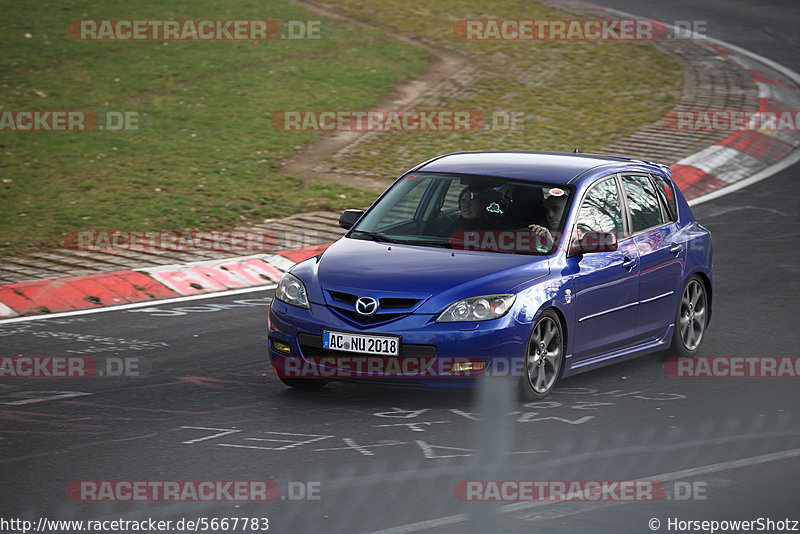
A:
(435, 276)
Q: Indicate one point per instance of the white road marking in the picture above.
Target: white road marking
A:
(664, 477)
(141, 304)
(757, 177)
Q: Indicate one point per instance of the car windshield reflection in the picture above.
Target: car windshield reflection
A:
(469, 213)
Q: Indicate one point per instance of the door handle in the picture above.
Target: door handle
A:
(628, 263)
(676, 248)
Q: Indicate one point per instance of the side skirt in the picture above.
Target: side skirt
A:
(627, 353)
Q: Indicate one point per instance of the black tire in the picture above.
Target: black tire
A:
(691, 319)
(306, 384)
(544, 358)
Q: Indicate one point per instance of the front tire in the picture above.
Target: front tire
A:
(691, 319)
(544, 357)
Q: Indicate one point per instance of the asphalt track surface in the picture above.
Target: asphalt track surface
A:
(204, 407)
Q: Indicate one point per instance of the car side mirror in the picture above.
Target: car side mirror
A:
(591, 242)
(349, 217)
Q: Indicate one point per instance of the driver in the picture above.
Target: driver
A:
(478, 208)
(471, 207)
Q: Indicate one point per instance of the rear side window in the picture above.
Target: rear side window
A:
(667, 195)
(643, 204)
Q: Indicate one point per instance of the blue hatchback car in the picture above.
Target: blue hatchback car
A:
(525, 264)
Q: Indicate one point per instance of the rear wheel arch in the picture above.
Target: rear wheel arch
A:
(709, 292)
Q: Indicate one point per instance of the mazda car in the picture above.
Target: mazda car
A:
(529, 265)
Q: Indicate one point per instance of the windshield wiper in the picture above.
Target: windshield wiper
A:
(443, 244)
(376, 236)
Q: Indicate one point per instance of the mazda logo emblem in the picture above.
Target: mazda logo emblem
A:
(366, 306)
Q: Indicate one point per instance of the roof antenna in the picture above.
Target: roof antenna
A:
(575, 150)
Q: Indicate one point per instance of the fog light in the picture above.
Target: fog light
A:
(461, 367)
(281, 347)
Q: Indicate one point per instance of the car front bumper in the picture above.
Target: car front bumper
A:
(427, 353)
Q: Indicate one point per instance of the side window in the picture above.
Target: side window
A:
(601, 210)
(668, 195)
(642, 201)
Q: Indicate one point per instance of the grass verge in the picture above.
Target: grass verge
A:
(206, 156)
(572, 94)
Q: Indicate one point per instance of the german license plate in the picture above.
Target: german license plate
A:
(361, 344)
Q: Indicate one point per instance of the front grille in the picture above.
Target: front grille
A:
(389, 307)
(346, 298)
(371, 319)
(394, 302)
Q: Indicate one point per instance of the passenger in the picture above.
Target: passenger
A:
(554, 209)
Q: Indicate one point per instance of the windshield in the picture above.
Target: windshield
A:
(469, 213)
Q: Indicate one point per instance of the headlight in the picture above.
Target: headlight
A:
(477, 308)
(292, 291)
